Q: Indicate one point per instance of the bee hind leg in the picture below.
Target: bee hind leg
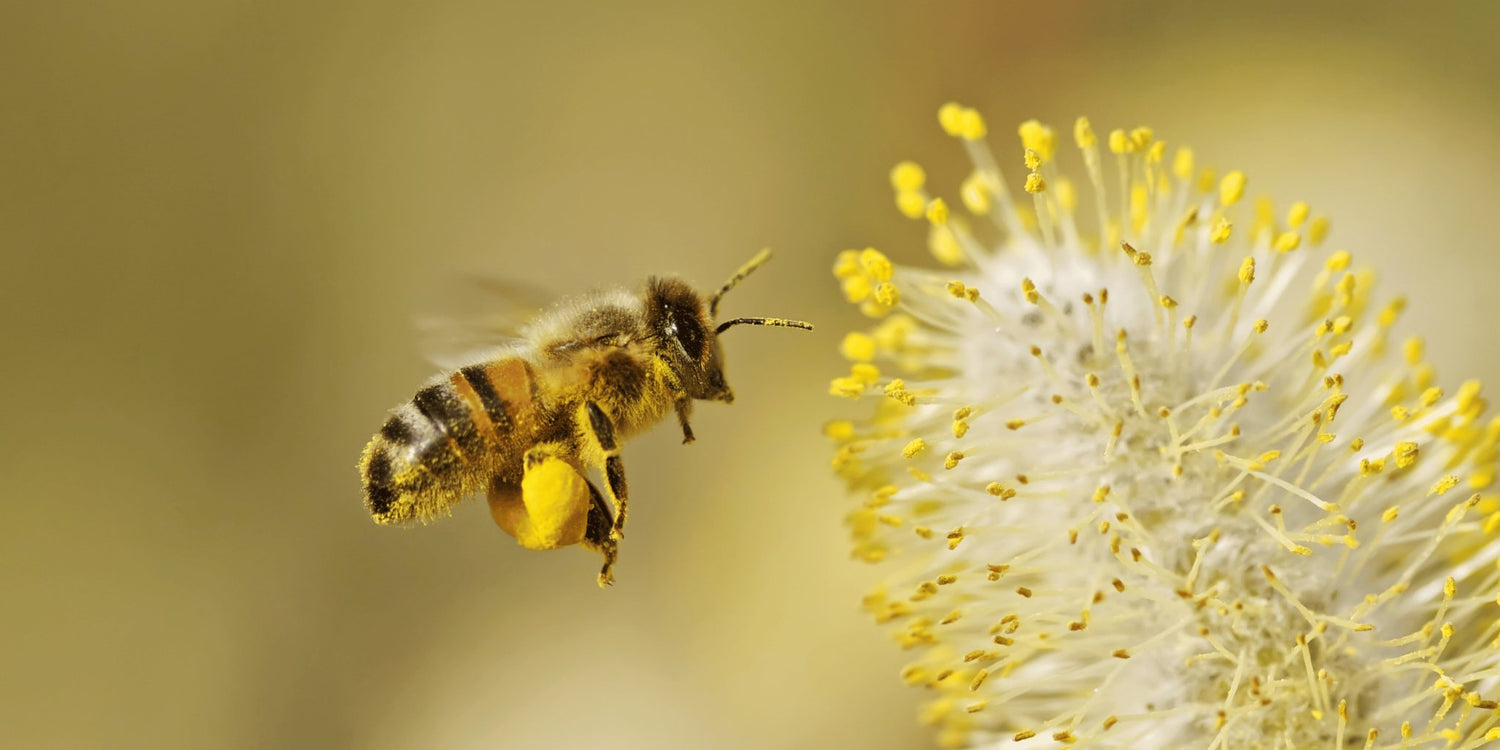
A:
(614, 467)
(596, 535)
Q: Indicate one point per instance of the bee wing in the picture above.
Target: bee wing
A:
(476, 317)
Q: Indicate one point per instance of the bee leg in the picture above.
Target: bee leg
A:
(614, 468)
(684, 410)
(596, 536)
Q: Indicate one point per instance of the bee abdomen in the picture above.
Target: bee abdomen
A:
(422, 459)
(445, 443)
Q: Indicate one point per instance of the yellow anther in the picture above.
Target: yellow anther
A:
(857, 288)
(1066, 196)
(1035, 183)
(865, 373)
(952, 459)
(1318, 230)
(847, 264)
(1156, 153)
(975, 195)
(839, 429)
(911, 204)
(1247, 270)
(1339, 261)
(1168, 302)
(1031, 159)
(1037, 137)
(896, 390)
(846, 387)
(908, 175)
(1232, 188)
(1141, 137)
(914, 447)
(1413, 350)
(1219, 234)
(951, 118)
(1182, 163)
(887, 294)
(858, 347)
(1287, 242)
(1118, 142)
(1083, 134)
(1406, 454)
(957, 289)
(1296, 214)
(944, 246)
(875, 264)
(972, 126)
(937, 212)
(1443, 485)
(1431, 396)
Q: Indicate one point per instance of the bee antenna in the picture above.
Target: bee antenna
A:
(777, 322)
(754, 263)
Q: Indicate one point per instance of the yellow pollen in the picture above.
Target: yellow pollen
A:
(908, 176)
(911, 204)
(1182, 164)
(1232, 188)
(1247, 271)
(1219, 234)
(971, 125)
(1038, 138)
(859, 347)
(1035, 183)
(937, 212)
(1296, 214)
(951, 117)
(1032, 160)
(887, 294)
(1287, 242)
(914, 447)
(975, 195)
(1083, 134)
(1318, 230)
(952, 459)
(1118, 142)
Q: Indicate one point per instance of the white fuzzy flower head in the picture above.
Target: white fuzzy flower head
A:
(1142, 471)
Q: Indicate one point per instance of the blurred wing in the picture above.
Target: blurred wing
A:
(473, 318)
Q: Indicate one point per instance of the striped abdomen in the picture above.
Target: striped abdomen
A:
(448, 441)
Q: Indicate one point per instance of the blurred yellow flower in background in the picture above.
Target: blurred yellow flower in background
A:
(1143, 469)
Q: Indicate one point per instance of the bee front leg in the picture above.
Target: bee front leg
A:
(596, 536)
(684, 410)
(614, 468)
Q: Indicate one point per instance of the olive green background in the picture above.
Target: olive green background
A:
(217, 220)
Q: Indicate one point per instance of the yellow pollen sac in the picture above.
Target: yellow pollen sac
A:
(1066, 196)
(847, 264)
(937, 212)
(1287, 242)
(1032, 160)
(908, 176)
(1232, 188)
(950, 117)
(865, 373)
(971, 125)
(911, 204)
(1318, 230)
(1297, 214)
(1035, 183)
(952, 459)
(839, 430)
(1118, 142)
(846, 387)
(1219, 234)
(975, 195)
(1156, 153)
(1141, 137)
(887, 294)
(1247, 271)
(943, 245)
(858, 347)
(1037, 138)
(1083, 134)
(875, 264)
(914, 447)
(1406, 454)
(897, 391)
(1182, 164)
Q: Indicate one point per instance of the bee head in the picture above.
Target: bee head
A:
(678, 319)
(676, 315)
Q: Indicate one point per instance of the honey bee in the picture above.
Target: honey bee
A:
(527, 424)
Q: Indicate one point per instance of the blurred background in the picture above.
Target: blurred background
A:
(217, 220)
